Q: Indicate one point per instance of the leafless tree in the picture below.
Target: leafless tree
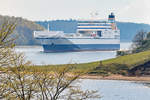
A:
(20, 82)
(138, 39)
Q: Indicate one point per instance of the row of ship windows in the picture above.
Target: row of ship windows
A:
(92, 21)
(93, 28)
(94, 24)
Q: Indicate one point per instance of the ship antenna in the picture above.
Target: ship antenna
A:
(48, 27)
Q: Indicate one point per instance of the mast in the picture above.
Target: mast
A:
(48, 27)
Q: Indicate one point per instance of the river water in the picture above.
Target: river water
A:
(38, 57)
(108, 89)
(117, 90)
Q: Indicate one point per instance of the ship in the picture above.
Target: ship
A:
(91, 35)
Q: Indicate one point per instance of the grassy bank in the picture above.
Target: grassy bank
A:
(118, 65)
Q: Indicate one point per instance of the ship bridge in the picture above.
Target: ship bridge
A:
(100, 28)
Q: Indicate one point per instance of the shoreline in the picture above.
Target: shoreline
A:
(118, 77)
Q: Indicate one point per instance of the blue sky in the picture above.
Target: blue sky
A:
(125, 10)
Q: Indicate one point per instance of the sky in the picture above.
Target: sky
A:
(137, 11)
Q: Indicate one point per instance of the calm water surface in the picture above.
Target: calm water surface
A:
(38, 57)
(108, 89)
(117, 90)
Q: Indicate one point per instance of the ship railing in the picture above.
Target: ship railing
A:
(43, 34)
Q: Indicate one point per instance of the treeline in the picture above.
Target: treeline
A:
(20, 80)
(23, 31)
(68, 26)
(128, 30)
(140, 43)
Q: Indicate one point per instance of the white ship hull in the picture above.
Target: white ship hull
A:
(91, 35)
(79, 44)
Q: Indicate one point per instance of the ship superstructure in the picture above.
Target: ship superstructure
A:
(91, 35)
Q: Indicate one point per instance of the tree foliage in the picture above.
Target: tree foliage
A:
(139, 38)
(20, 82)
(23, 83)
(141, 42)
(24, 30)
(6, 43)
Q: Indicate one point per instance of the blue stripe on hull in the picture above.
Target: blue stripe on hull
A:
(80, 47)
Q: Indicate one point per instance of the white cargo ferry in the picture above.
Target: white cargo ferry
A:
(91, 35)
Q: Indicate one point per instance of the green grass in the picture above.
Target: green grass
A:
(130, 61)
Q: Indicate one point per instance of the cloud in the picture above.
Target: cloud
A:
(136, 11)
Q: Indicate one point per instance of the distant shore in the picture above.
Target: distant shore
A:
(118, 77)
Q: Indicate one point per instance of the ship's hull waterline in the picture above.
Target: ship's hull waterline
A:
(84, 44)
(80, 47)
(91, 35)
